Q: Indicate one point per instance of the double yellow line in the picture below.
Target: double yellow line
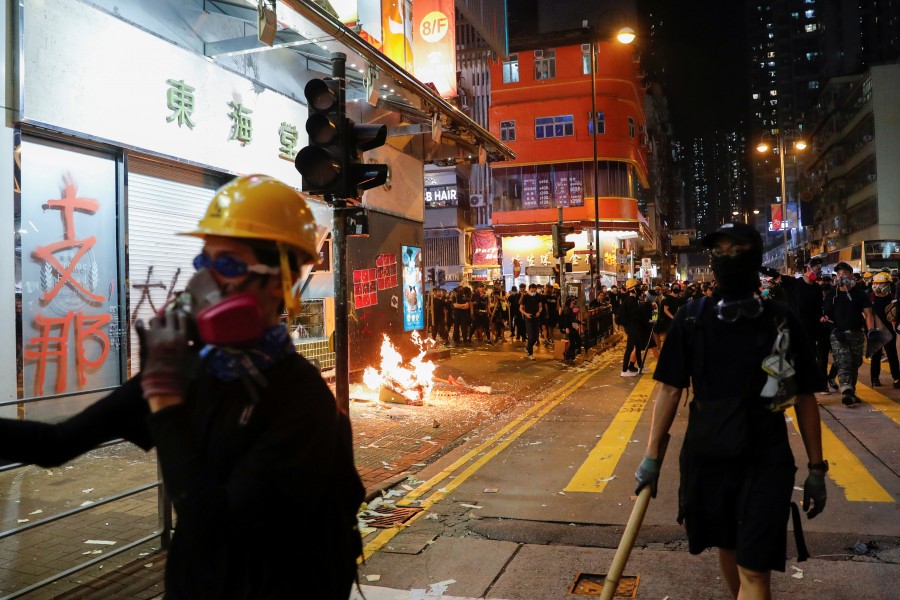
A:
(490, 448)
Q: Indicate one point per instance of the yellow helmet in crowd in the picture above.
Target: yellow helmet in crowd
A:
(867, 275)
(881, 278)
(630, 283)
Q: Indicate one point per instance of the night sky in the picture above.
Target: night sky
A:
(702, 44)
(706, 65)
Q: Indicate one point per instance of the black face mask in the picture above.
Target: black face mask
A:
(738, 276)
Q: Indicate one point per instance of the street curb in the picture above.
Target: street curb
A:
(387, 484)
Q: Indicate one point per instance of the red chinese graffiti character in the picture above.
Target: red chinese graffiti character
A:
(68, 204)
(89, 327)
(49, 347)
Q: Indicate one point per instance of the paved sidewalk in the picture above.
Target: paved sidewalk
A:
(391, 442)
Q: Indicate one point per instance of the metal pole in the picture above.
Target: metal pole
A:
(341, 324)
(784, 224)
(562, 259)
(596, 176)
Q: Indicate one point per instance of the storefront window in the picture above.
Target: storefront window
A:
(72, 336)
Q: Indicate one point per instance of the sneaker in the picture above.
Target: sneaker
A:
(628, 373)
(633, 369)
(531, 357)
(849, 398)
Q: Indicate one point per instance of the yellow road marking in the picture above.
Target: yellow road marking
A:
(879, 402)
(600, 464)
(530, 417)
(846, 470)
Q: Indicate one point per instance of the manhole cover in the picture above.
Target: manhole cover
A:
(392, 517)
(591, 584)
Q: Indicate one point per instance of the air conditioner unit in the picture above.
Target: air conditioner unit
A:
(539, 54)
(476, 200)
(585, 48)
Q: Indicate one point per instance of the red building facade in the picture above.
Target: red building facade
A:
(541, 107)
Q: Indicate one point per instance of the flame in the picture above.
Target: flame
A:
(413, 382)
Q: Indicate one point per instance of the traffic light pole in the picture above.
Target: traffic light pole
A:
(341, 322)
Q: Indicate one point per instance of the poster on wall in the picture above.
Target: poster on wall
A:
(386, 271)
(365, 287)
(485, 250)
(413, 304)
(434, 44)
(72, 328)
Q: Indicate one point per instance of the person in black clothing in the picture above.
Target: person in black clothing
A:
(805, 297)
(570, 324)
(531, 306)
(240, 421)
(635, 319)
(849, 311)
(512, 300)
(881, 299)
(462, 316)
(553, 308)
(736, 497)
(439, 312)
(481, 326)
(614, 301)
(823, 341)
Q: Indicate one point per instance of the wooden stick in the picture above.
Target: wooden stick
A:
(611, 582)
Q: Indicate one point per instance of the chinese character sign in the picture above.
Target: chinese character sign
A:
(71, 325)
(413, 305)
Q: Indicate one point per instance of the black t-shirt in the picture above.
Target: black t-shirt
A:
(673, 303)
(551, 305)
(438, 307)
(846, 308)
(879, 304)
(531, 304)
(733, 352)
(808, 302)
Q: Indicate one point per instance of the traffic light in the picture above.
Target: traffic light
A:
(360, 175)
(560, 245)
(321, 164)
(332, 163)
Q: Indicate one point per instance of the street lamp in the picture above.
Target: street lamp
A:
(781, 137)
(625, 35)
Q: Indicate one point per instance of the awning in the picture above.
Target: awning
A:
(420, 100)
(623, 227)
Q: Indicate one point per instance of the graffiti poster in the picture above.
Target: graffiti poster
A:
(365, 288)
(72, 330)
(386, 271)
(413, 303)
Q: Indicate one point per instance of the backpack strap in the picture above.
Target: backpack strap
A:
(693, 313)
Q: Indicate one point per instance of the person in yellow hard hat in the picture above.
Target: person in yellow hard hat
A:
(882, 303)
(240, 421)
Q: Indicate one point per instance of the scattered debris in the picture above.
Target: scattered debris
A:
(37, 512)
(23, 520)
(606, 479)
(87, 491)
(798, 574)
(470, 505)
(491, 490)
(371, 578)
(100, 542)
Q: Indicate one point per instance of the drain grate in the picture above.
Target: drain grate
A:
(591, 584)
(394, 516)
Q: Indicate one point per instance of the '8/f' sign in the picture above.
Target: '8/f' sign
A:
(434, 26)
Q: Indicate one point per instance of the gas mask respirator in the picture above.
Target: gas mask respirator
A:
(232, 321)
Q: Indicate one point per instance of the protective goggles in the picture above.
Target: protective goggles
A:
(229, 266)
(734, 310)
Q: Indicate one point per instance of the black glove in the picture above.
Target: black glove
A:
(814, 489)
(164, 353)
(647, 474)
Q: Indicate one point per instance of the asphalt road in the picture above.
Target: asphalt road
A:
(525, 509)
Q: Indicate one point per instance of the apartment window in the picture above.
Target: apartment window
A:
(755, 96)
(810, 14)
(507, 131)
(600, 120)
(810, 27)
(511, 69)
(773, 92)
(545, 64)
(550, 127)
(813, 85)
(631, 127)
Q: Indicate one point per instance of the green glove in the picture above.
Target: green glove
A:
(814, 490)
(647, 474)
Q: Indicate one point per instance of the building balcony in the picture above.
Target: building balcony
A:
(615, 214)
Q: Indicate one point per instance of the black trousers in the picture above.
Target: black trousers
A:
(890, 350)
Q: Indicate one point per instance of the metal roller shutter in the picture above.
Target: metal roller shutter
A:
(161, 201)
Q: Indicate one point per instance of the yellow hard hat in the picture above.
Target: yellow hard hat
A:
(867, 275)
(881, 277)
(630, 283)
(261, 207)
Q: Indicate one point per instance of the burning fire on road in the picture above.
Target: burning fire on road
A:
(413, 380)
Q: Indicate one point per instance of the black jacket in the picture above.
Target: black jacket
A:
(244, 495)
